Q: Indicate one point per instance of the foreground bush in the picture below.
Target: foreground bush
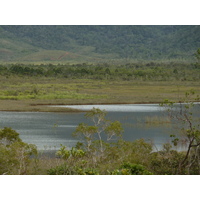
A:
(14, 154)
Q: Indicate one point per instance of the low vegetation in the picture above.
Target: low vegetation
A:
(14, 153)
(29, 86)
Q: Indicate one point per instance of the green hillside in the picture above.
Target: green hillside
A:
(98, 43)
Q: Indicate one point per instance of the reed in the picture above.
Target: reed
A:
(157, 120)
(152, 121)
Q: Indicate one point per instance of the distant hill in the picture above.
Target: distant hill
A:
(97, 43)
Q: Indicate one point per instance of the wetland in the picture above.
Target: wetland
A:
(46, 103)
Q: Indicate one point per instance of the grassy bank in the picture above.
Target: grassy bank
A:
(28, 87)
(32, 93)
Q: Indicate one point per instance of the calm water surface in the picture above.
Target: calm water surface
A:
(49, 130)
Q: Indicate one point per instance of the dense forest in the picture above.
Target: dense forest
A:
(98, 43)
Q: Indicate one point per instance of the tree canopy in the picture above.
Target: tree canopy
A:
(123, 42)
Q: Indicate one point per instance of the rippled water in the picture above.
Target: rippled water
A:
(49, 130)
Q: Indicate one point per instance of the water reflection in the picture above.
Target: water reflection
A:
(118, 107)
(49, 130)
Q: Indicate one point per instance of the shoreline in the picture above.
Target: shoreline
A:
(57, 108)
(49, 107)
(71, 104)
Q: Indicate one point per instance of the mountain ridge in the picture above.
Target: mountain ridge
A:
(97, 43)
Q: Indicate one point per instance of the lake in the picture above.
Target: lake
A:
(48, 130)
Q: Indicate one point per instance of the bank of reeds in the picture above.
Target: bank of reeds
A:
(150, 121)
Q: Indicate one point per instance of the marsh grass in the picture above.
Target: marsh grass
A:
(14, 95)
(149, 121)
(153, 121)
(28, 92)
(157, 120)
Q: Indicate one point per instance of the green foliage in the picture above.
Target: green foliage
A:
(102, 127)
(87, 171)
(50, 43)
(65, 154)
(7, 160)
(87, 132)
(67, 170)
(77, 152)
(116, 153)
(166, 161)
(131, 169)
(14, 154)
(175, 140)
(158, 71)
(137, 152)
(8, 136)
(58, 170)
(113, 129)
(197, 55)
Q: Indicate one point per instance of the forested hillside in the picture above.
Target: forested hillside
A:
(98, 43)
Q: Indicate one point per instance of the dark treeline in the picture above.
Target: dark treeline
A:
(130, 71)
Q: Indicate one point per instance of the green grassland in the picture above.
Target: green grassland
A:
(33, 87)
